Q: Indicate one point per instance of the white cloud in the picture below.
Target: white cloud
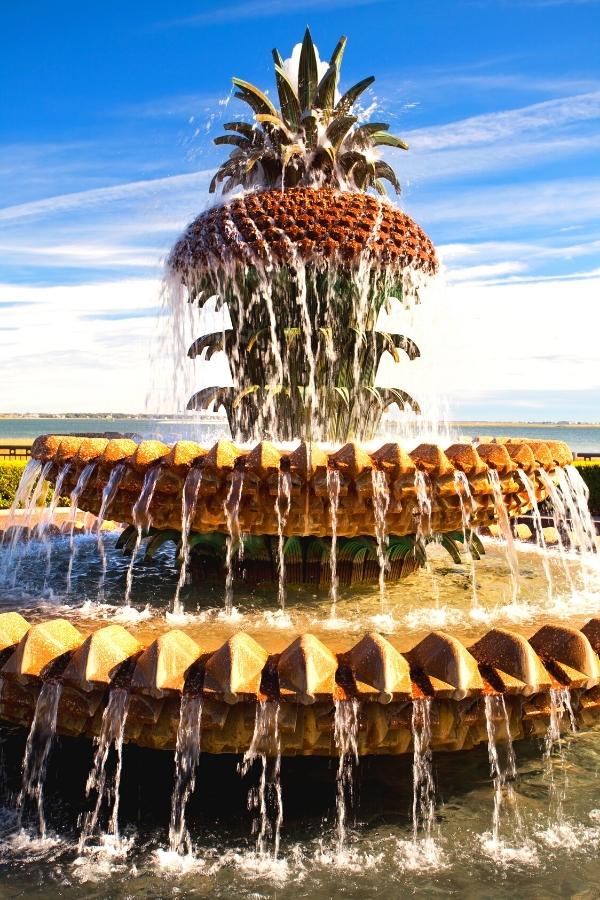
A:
(99, 347)
(500, 126)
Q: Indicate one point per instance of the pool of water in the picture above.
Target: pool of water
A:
(548, 837)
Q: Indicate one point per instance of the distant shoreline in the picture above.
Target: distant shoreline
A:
(209, 417)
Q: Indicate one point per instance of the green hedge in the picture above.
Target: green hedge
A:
(10, 475)
(590, 472)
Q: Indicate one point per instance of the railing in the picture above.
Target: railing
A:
(589, 456)
(15, 451)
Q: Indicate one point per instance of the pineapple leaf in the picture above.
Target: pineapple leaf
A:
(451, 547)
(339, 128)
(351, 96)
(204, 398)
(213, 342)
(254, 339)
(290, 107)
(383, 170)
(325, 96)
(237, 140)
(244, 128)
(390, 140)
(254, 97)
(275, 122)
(311, 130)
(336, 56)
(307, 73)
(290, 151)
(371, 128)
(245, 392)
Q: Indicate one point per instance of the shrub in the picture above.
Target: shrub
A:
(590, 472)
(10, 475)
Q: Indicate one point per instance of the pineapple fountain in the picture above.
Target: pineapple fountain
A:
(305, 256)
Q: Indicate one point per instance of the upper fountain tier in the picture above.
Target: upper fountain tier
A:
(305, 259)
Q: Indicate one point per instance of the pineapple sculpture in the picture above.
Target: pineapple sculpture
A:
(305, 256)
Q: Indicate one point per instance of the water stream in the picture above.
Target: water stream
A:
(112, 732)
(282, 509)
(189, 499)
(506, 532)
(234, 543)
(539, 530)
(187, 755)
(381, 502)
(345, 731)
(333, 492)
(265, 799)
(37, 751)
(423, 807)
(141, 519)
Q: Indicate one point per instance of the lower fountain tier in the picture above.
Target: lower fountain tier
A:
(306, 678)
(267, 489)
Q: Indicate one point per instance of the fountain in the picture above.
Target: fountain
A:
(305, 493)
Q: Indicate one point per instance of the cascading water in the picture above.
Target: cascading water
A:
(108, 495)
(37, 751)
(32, 499)
(333, 493)
(503, 776)
(381, 502)
(82, 482)
(345, 732)
(506, 532)
(112, 732)
(467, 504)
(561, 523)
(266, 797)
(282, 509)
(576, 494)
(142, 519)
(423, 809)
(553, 757)
(234, 541)
(26, 486)
(189, 499)
(187, 755)
(539, 530)
(423, 505)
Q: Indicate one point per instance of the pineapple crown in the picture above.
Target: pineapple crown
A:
(313, 139)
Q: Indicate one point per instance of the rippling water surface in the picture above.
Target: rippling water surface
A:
(554, 854)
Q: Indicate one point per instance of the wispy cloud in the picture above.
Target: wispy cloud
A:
(500, 126)
(101, 196)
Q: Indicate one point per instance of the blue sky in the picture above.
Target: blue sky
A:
(105, 152)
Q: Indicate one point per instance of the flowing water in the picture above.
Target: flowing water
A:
(381, 502)
(345, 732)
(187, 755)
(100, 782)
(141, 520)
(265, 798)
(333, 492)
(507, 535)
(37, 751)
(282, 508)
(234, 544)
(189, 499)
